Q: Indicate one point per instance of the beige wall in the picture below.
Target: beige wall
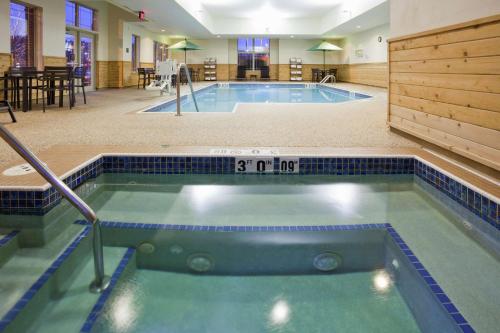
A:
(297, 48)
(211, 48)
(367, 42)
(411, 16)
(4, 27)
(147, 39)
(53, 33)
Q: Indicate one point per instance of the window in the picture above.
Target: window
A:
(22, 34)
(85, 18)
(70, 13)
(160, 52)
(80, 16)
(253, 53)
(135, 50)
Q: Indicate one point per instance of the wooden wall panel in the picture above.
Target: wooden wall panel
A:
(445, 88)
(54, 61)
(371, 74)
(5, 62)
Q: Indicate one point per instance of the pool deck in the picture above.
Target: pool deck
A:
(111, 123)
(111, 118)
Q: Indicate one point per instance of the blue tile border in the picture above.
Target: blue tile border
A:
(431, 283)
(28, 295)
(98, 307)
(7, 238)
(22, 202)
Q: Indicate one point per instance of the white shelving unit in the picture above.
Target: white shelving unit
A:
(210, 68)
(295, 69)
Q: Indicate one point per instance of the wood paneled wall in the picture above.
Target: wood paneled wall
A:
(445, 88)
(371, 74)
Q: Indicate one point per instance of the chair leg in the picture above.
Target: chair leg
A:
(11, 112)
(84, 97)
(43, 100)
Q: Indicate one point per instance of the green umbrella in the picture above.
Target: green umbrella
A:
(325, 46)
(186, 46)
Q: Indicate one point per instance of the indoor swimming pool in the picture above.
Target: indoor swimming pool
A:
(225, 97)
(257, 253)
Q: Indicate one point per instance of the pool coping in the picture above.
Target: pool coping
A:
(38, 200)
(439, 294)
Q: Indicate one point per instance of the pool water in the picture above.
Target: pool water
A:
(258, 282)
(218, 98)
(172, 302)
(438, 234)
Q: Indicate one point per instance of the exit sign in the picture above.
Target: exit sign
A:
(142, 15)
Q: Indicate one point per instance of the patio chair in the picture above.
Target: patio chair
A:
(264, 73)
(242, 73)
(64, 75)
(79, 81)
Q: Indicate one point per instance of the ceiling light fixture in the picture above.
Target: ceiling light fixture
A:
(218, 36)
(162, 30)
(358, 27)
(292, 36)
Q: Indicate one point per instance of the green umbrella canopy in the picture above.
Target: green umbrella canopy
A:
(324, 46)
(186, 46)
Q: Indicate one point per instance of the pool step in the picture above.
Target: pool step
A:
(27, 265)
(8, 245)
(63, 302)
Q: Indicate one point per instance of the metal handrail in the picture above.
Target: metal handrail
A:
(178, 86)
(101, 281)
(329, 77)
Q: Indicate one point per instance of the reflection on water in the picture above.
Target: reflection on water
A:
(280, 314)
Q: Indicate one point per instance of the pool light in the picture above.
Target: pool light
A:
(382, 281)
(280, 313)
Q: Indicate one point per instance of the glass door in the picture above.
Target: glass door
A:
(70, 47)
(79, 49)
(87, 58)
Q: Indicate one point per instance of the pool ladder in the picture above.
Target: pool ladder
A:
(178, 86)
(329, 77)
(101, 281)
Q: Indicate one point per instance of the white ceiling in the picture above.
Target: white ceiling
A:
(274, 18)
(281, 8)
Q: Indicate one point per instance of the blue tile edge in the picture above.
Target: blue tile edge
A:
(7, 238)
(98, 307)
(432, 284)
(211, 228)
(40, 202)
(28, 295)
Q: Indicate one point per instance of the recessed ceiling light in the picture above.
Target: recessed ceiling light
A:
(162, 30)
(358, 26)
(218, 36)
(292, 36)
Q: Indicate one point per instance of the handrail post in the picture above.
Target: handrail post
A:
(101, 281)
(178, 80)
